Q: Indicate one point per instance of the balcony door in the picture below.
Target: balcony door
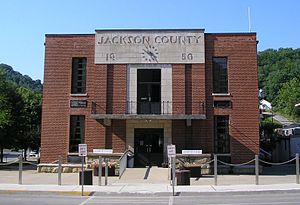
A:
(148, 91)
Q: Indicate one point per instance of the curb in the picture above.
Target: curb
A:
(68, 193)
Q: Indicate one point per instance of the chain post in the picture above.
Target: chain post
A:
(20, 168)
(106, 170)
(216, 169)
(256, 170)
(297, 168)
(59, 170)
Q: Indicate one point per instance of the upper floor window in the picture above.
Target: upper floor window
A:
(220, 75)
(78, 76)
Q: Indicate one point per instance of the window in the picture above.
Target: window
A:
(222, 104)
(78, 75)
(220, 75)
(222, 140)
(76, 132)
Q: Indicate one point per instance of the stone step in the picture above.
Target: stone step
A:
(147, 175)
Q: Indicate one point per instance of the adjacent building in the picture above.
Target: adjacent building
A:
(145, 89)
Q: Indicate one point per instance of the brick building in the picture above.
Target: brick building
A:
(145, 89)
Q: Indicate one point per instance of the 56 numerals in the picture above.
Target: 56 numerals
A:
(186, 56)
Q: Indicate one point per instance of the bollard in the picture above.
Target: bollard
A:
(106, 170)
(100, 171)
(20, 168)
(59, 170)
(297, 168)
(216, 169)
(256, 170)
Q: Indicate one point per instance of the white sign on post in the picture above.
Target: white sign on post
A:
(171, 150)
(82, 150)
(102, 151)
(192, 152)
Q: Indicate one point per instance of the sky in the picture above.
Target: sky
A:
(23, 24)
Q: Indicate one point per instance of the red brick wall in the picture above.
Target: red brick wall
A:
(60, 49)
(178, 88)
(241, 52)
(57, 89)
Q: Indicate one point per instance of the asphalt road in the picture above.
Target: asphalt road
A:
(225, 198)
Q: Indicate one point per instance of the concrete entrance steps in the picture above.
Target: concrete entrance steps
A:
(152, 175)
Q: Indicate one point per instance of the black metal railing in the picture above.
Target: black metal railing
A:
(149, 108)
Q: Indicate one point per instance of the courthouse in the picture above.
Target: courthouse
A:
(143, 89)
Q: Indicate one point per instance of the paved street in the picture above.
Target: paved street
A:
(242, 198)
(282, 120)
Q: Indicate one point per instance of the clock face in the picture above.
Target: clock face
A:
(150, 54)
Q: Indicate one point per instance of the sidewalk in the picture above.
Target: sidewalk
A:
(143, 188)
(41, 182)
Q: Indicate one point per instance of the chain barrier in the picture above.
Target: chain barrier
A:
(54, 161)
(31, 163)
(279, 163)
(9, 163)
(236, 165)
(207, 163)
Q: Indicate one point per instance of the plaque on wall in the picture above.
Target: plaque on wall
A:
(78, 103)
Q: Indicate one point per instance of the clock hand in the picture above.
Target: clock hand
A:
(151, 54)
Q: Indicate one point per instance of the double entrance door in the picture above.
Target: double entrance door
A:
(148, 147)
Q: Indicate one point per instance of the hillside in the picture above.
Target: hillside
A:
(279, 77)
(21, 80)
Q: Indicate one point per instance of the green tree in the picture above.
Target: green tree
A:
(288, 96)
(276, 68)
(10, 105)
(30, 119)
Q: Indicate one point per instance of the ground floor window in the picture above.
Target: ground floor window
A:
(76, 132)
(222, 139)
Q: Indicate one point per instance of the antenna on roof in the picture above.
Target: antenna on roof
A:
(249, 19)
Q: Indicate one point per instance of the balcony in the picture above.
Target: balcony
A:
(148, 110)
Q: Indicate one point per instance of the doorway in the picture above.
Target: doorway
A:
(148, 147)
(148, 91)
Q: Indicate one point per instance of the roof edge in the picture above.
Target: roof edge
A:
(69, 35)
(149, 29)
(233, 33)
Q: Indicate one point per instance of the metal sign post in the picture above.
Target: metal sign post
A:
(100, 171)
(172, 154)
(173, 174)
(82, 174)
(82, 151)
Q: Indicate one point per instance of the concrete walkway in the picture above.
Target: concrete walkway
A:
(33, 181)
